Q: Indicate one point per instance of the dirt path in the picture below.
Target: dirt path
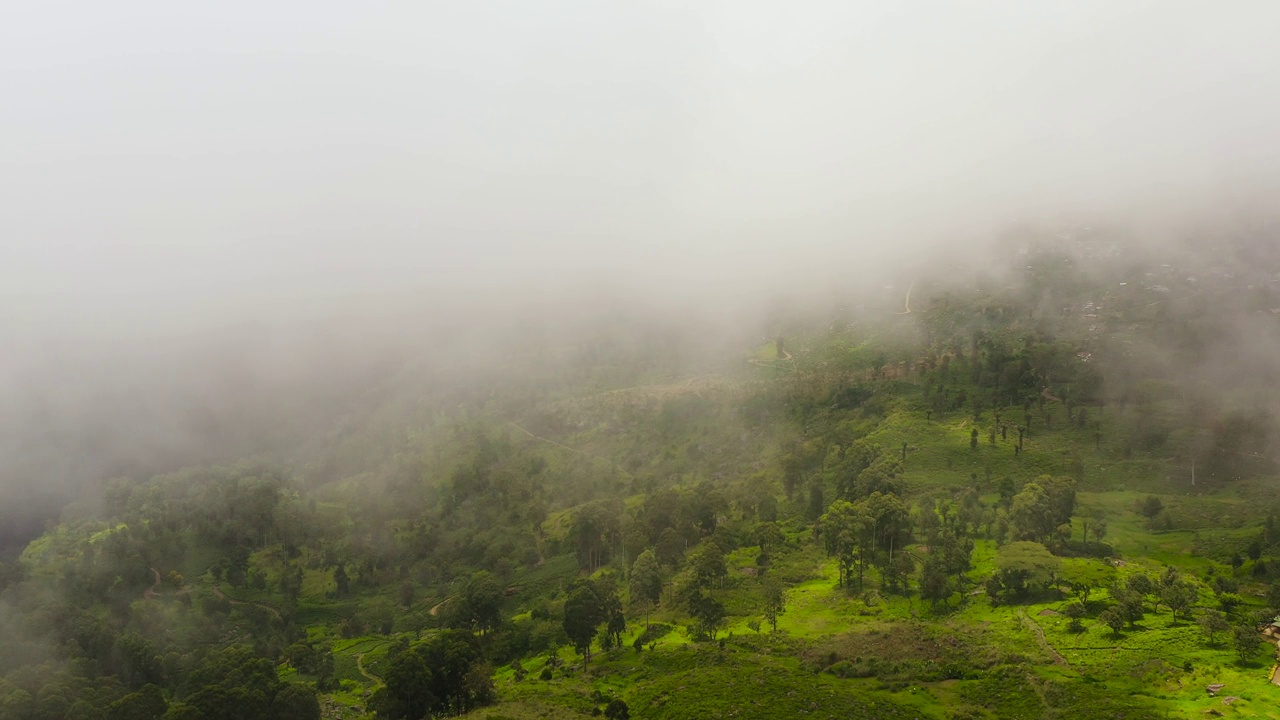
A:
(562, 446)
(1039, 633)
(435, 609)
(786, 357)
(150, 593)
(907, 304)
(360, 666)
(218, 591)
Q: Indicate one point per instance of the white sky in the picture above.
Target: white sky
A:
(231, 156)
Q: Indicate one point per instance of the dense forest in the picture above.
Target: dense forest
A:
(1041, 491)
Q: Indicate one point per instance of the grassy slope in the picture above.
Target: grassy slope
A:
(1158, 667)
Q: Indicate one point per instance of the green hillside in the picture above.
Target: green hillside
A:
(995, 506)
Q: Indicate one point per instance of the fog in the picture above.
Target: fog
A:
(232, 216)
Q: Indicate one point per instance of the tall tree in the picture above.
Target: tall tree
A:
(594, 531)
(645, 581)
(342, 582)
(775, 602)
(708, 613)
(768, 535)
(845, 531)
(1246, 641)
(707, 562)
(583, 613)
(935, 585)
(1213, 623)
(481, 602)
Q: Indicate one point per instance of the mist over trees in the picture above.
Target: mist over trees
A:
(647, 359)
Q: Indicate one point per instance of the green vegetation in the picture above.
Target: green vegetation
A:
(949, 515)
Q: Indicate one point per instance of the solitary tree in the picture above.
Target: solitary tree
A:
(645, 582)
(1099, 529)
(1150, 508)
(1213, 623)
(775, 603)
(1075, 610)
(342, 582)
(1139, 584)
(935, 584)
(1021, 566)
(708, 613)
(1246, 641)
(1113, 617)
(583, 613)
(1179, 596)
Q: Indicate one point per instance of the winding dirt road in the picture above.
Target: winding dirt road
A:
(907, 304)
(360, 666)
(435, 609)
(150, 593)
(218, 592)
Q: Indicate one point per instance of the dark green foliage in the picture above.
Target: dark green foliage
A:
(295, 702)
(1139, 584)
(343, 583)
(291, 583)
(593, 533)
(669, 548)
(1022, 567)
(1150, 507)
(817, 503)
(935, 585)
(1273, 597)
(233, 683)
(145, 704)
(1042, 507)
(1113, 617)
(309, 659)
(445, 675)
(645, 581)
(615, 623)
(653, 632)
(707, 562)
(617, 710)
(408, 692)
(135, 661)
(480, 603)
(708, 614)
(1224, 584)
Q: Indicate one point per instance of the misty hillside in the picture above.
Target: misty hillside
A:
(996, 504)
(652, 360)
